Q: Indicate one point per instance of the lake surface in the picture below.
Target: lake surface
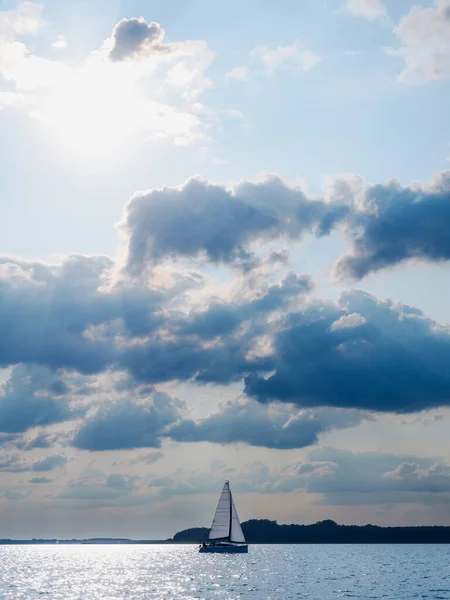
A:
(316, 572)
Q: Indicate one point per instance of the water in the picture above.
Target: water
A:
(316, 572)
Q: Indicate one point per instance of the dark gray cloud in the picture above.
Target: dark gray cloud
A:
(31, 397)
(39, 480)
(222, 318)
(392, 360)
(12, 463)
(49, 463)
(185, 359)
(398, 223)
(387, 223)
(200, 218)
(184, 355)
(6, 439)
(144, 423)
(277, 426)
(46, 312)
(136, 37)
(128, 424)
(357, 354)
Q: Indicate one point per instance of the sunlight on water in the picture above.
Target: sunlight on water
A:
(267, 572)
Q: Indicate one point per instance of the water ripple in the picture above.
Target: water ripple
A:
(316, 572)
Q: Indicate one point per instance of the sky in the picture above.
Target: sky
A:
(224, 255)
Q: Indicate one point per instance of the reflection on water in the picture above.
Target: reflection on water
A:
(273, 572)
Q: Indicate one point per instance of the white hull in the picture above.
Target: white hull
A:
(225, 548)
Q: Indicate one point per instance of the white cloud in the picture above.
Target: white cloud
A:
(293, 56)
(348, 321)
(188, 73)
(238, 74)
(424, 34)
(60, 43)
(101, 102)
(367, 9)
(24, 20)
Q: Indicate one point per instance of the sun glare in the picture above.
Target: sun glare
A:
(93, 110)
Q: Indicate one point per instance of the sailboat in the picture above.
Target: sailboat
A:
(226, 533)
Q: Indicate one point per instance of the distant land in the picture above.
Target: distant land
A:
(326, 532)
(269, 532)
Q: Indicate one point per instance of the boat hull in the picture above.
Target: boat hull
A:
(224, 549)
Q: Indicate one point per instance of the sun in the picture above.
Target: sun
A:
(93, 109)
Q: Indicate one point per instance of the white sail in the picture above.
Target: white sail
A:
(220, 528)
(236, 533)
(226, 524)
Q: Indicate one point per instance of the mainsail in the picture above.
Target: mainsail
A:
(226, 524)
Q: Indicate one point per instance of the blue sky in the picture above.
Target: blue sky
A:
(287, 303)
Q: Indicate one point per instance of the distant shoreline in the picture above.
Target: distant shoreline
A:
(270, 532)
(327, 532)
(8, 542)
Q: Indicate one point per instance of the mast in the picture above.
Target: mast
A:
(231, 514)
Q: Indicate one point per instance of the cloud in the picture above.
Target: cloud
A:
(134, 37)
(353, 320)
(237, 74)
(25, 20)
(153, 322)
(424, 35)
(94, 492)
(247, 478)
(31, 397)
(331, 476)
(125, 425)
(388, 223)
(374, 477)
(60, 43)
(49, 313)
(148, 458)
(219, 344)
(404, 469)
(39, 480)
(394, 362)
(15, 494)
(280, 57)
(222, 318)
(111, 96)
(42, 440)
(358, 353)
(200, 218)
(63, 317)
(393, 223)
(13, 464)
(49, 463)
(367, 9)
(274, 426)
